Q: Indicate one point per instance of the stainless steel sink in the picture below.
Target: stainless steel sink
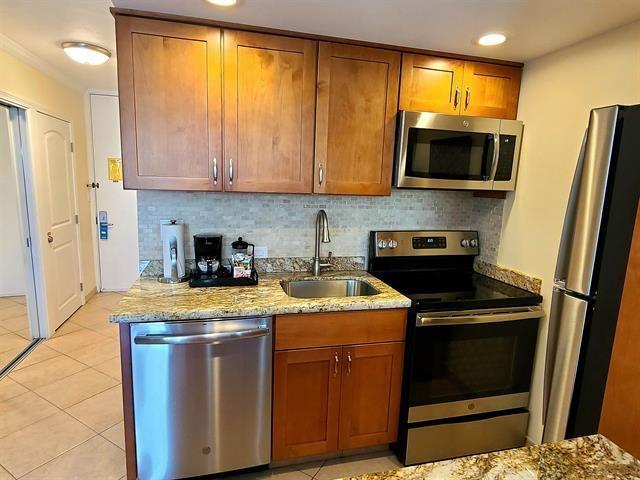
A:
(328, 288)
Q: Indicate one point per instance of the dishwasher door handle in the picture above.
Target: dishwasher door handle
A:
(200, 338)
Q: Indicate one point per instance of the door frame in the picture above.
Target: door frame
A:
(91, 168)
(29, 218)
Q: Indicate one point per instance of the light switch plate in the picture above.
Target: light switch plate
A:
(261, 251)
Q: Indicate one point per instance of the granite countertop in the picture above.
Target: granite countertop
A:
(593, 458)
(151, 301)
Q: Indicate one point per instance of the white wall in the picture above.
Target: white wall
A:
(558, 91)
(12, 267)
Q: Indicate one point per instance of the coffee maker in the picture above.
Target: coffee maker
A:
(208, 250)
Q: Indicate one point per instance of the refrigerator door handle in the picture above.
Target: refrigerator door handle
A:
(566, 326)
(569, 223)
(581, 232)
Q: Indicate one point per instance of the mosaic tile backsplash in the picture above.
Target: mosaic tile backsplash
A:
(285, 224)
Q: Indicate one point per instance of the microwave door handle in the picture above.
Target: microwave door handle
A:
(496, 156)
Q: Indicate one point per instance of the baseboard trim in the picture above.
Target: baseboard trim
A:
(90, 294)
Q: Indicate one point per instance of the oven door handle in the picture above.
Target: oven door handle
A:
(460, 318)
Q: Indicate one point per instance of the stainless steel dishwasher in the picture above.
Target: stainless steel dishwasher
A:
(202, 396)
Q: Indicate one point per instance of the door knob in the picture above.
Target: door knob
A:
(49, 237)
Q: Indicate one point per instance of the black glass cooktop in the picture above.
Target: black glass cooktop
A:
(456, 289)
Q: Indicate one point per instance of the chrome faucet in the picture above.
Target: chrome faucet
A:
(322, 235)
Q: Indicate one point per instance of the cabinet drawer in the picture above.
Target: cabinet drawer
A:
(308, 330)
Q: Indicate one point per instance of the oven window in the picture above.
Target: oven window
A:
(444, 154)
(460, 362)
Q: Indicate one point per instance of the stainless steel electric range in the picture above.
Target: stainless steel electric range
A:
(470, 346)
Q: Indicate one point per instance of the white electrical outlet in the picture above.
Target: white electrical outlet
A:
(261, 251)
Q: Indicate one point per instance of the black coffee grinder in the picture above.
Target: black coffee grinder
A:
(208, 251)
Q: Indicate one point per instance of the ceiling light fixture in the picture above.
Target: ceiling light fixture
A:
(86, 53)
(491, 39)
(223, 3)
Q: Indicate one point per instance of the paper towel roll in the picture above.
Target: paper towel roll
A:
(167, 233)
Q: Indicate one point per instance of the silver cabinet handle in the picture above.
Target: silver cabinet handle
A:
(349, 363)
(231, 171)
(320, 175)
(202, 338)
(467, 98)
(336, 361)
(215, 171)
(49, 237)
(456, 98)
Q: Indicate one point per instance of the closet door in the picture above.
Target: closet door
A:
(269, 92)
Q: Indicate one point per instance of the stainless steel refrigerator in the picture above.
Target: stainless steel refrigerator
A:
(590, 272)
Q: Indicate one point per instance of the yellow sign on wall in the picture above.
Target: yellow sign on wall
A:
(114, 166)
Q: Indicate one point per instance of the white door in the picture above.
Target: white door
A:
(57, 221)
(118, 253)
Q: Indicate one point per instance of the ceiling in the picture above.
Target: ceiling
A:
(533, 27)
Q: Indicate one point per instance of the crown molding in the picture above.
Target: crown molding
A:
(15, 49)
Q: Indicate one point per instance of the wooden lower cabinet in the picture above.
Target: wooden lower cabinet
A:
(306, 390)
(370, 394)
(335, 398)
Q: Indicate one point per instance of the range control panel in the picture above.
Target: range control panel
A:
(419, 243)
(407, 243)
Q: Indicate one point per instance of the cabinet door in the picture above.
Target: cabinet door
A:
(370, 394)
(306, 402)
(269, 112)
(490, 90)
(431, 84)
(355, 119)
(169, 83)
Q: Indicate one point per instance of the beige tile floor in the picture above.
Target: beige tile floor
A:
(61, 410)
(14, 328)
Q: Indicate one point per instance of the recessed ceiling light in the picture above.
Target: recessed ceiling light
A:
(223, 3)
(491, 39)
(86, 53)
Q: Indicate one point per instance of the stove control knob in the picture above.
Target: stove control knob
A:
(382, 244)
(392, 243)
(473, 243)
(465, 243)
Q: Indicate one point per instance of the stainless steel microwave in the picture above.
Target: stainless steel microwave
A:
(453, 152)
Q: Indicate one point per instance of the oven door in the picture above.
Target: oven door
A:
(471, 362)
(446, 151)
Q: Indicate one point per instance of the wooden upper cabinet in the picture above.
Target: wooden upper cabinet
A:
(370, 394)
(431, 84)
(457, 87)
(355, 119)
(269, 95)
(490, 90)
(169, 83)
(306, 402)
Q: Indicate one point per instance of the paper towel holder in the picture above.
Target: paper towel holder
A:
(173, 246)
